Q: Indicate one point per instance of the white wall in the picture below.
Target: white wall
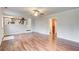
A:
(41, 25)
(1, 29)
(67, 24)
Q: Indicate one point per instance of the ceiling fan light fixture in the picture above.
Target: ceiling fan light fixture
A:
(36, 12)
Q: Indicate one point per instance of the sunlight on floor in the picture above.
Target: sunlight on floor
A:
(9, 38)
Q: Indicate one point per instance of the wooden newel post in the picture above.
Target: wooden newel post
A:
(53, 33)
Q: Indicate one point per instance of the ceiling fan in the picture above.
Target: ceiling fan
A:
(37, 12)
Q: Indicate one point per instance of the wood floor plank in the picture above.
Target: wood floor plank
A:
(33, 42)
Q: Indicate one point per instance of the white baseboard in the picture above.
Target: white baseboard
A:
(73, 43)
(42, 32)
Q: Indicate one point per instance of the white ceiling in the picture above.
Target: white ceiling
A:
(28, 10)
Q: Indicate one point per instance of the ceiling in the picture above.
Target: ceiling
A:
(27, 11)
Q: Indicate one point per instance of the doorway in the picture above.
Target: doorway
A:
(12, 25)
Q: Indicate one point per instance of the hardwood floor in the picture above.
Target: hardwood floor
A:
(33, 42)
